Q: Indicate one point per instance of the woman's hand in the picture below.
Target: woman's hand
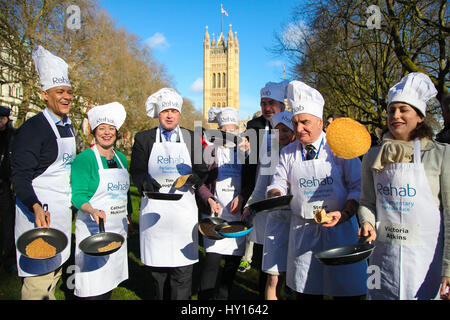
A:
(247, 214)
(445, 288)
(215, 206)
(335, 216)
(96, 214)
(367, 230)
(236, 204)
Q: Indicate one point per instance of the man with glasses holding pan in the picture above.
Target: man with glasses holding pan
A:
(42, 155)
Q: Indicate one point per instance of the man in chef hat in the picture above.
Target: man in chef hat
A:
(260, 137)
(168, 228)
(318, 180)
(42, 155)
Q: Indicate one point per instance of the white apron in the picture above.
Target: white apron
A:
(319, 184)
(168, 229)
(260, 219)
(52, 187)
(228, 186)
(276, 240)
(409, 244)
(96, 275)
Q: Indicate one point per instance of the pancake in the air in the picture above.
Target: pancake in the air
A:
(348, 138)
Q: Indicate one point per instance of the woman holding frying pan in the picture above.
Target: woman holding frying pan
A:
(220, 196)
(405, 199)
(100, 184)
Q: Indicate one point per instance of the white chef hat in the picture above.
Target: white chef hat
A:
(52, 70)
(112, 113)
(284, 117)
(275, 90)
(415, 89)
(163, 99)
(304, 99)
(223, 116)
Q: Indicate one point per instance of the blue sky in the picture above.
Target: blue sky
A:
(175, 30)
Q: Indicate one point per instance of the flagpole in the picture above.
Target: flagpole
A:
(221, 18)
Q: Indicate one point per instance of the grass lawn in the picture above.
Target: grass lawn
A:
(137, 287)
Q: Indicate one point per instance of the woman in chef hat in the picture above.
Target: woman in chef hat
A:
(100, 184)
(405, 200)
(220, 197)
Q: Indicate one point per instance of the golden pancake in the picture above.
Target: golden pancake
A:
(348, 138)
(181, 181)
(320, 216)
(110, 246)
(40, 249)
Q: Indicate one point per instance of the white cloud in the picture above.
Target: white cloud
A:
(294, 34)
(275, 63)
(197, 85)
(157, 41)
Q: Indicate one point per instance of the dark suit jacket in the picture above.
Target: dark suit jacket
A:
(249, 170)
(142, 148)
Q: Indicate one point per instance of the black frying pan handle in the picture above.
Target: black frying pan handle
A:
(45, 208)
(101, 225)
(363, 239)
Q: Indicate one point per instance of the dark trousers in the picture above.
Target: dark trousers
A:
(210, 274)
(174, 283)
(7, 216)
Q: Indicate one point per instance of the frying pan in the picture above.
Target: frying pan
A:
(163, 196)
(346, 254)
(91, 244)
(220, 138)
(52, 236)
(271, 203)
(244, 227)
(206, 227)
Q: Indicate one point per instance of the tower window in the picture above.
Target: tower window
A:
(218, 80)
(214, 80)
(224, 81)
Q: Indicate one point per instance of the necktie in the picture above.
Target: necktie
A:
(64, 130)
(167, 134)
(310, 152)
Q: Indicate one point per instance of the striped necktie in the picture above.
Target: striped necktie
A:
(310, 152)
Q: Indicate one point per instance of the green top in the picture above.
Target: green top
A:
(84, 177)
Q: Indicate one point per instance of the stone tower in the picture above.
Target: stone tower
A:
(220, 73)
